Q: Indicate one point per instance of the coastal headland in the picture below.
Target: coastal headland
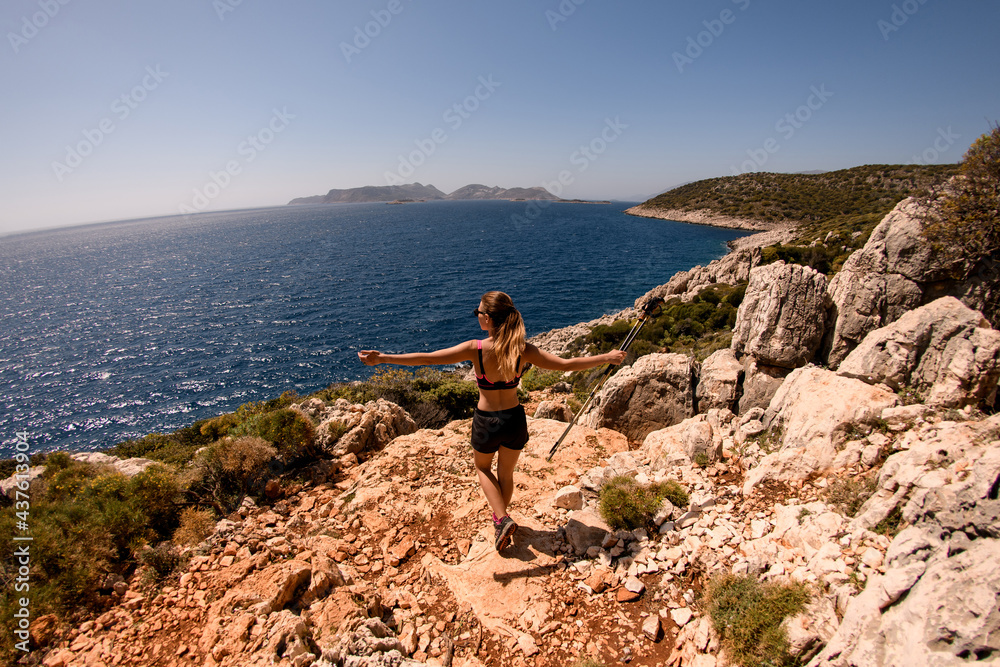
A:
(795, 455)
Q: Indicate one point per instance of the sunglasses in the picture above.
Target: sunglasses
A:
(476, 312)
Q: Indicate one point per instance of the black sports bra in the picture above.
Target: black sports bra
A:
(484, 383)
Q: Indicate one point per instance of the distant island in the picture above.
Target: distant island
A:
(412, 192)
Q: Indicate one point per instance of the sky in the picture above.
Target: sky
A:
(125, 109)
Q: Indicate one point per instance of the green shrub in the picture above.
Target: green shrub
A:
(537, 379)
(670, 490)
(213, 429)
(698, 328)
(230, 469)
(86, 523)
(165, 448)
(162, 559)
(626, 504)
(432, 397)
(962, 222)
(748, 614)
(891, 524)
(291, 432)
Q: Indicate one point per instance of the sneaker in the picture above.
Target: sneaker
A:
(505, 530)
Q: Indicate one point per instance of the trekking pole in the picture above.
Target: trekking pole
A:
(650, 309)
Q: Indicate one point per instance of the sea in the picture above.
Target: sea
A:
(116, 330)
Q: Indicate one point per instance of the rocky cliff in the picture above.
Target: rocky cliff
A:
(842, 441)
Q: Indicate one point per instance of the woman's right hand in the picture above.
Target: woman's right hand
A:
(369, 357)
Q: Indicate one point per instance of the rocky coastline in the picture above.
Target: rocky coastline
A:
(881, 378)
(707, 217)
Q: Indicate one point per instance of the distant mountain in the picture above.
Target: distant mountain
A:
(416, 191)
(477, 191)
(374, 193)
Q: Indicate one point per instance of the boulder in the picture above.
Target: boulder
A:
(731, 269)
(128, 467)
(862, 302)
(368, 427)
(554, 410)
(944, 350)
(895, 272)
(760, 384)
(655, 392)
(569, 497)
(681, 444)
(719, 381)
(809, 418)
(585, 529)
(782, 318)
(937, 602)
(12, 484)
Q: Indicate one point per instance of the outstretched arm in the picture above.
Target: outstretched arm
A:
(549, 361)
(452, 355)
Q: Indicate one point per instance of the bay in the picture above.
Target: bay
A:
(116, 330)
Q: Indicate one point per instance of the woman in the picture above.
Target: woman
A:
(499, 426)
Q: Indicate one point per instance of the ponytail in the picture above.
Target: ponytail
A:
(508, 331)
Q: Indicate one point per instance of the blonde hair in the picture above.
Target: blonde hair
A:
(508, 332)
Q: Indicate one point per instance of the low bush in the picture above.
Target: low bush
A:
(536, 379)
(165, 448)
(230, 469)
(748, 615)
(626, 504)
(162, 560)
(698, 328)
(86, 523)
(849, 494)
(195, 525)
(291, 432)
(432, 397)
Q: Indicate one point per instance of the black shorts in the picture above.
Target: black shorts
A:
(493, 430)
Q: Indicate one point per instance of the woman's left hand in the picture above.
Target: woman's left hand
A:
(617, 356)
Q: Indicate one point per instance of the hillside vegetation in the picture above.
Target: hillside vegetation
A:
(870, 189)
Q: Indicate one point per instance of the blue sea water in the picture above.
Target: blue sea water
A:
(116, 330)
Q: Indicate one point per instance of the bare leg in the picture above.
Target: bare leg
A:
(498, 492)
(506, 462)
(489, 484)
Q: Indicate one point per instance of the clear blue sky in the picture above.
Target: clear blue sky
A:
(120, 109)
